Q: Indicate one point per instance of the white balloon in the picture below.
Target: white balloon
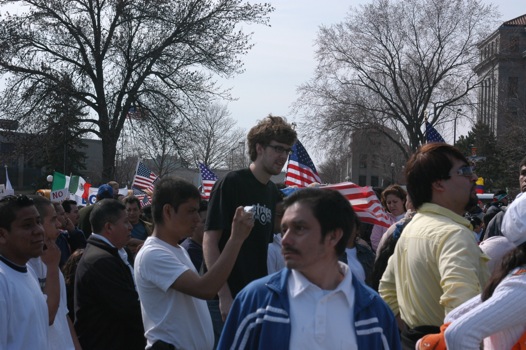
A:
(49, 178)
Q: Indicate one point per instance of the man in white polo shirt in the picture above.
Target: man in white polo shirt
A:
(316, 302)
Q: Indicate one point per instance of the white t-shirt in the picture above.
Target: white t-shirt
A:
(23, 311)
(59, 333)
(321, 319)
(275, 261)
(354, 264)
(169, 315)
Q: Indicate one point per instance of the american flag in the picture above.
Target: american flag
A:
(144, 178)
(364, 202)
(208, 180)
(432, 134)
(142, 196)
(301, 171)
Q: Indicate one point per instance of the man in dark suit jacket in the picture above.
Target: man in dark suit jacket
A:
(107, 308)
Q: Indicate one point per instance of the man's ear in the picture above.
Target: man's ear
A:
(3, 235)
(438, 186)
(167, 212)
(334, 236)
(259, 148)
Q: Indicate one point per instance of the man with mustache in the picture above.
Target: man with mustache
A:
(437, 264)
(269, 144)
(316, 302)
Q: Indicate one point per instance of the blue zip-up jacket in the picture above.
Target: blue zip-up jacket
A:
(259, 317)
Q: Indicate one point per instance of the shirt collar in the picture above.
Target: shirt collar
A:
(440, 210)
(102, 238)
(298, 284)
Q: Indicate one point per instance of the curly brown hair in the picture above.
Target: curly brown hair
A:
(271, 128)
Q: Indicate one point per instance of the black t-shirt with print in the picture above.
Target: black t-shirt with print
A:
(241, 188)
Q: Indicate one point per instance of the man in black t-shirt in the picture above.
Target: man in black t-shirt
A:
(269, 144)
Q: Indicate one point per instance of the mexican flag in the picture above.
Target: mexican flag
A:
(76, 185)
(60, 181)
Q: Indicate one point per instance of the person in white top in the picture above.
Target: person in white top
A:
(172, 293)
(24, 319)
(62, 335)
(275, 261)
(497, 317)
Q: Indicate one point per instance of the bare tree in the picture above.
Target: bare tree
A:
(215, 138)
(120, 54)
(389, 62)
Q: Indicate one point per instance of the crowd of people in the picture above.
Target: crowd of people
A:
(255, 269)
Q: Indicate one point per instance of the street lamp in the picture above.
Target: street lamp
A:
(392, 173)
(458, 111)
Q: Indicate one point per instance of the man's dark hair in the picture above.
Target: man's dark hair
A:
(9, 207)
(430, 163)
(67, 205)
(42, 204)
(523, 163)
(173, 191)
(131, 200)
(268, 129)
(330, 208)
(104, 211)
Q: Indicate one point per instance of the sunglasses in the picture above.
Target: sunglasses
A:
(466, 171)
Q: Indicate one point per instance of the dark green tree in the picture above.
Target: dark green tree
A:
(62, 146)
(489, 158)
(119, 54)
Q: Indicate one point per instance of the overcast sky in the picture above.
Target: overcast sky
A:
(283, 56)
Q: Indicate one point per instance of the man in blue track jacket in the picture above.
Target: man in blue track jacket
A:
(315, 302)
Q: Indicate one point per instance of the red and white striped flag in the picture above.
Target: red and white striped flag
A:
(301, 171)
(208, 179)
(364, 202)
(144, 178)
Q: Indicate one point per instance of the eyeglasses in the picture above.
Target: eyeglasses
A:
(280, 150)
(466, 171)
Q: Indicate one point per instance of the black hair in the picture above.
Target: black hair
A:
(104, 211)
(9, 207)
(173, 191)
(513, 259)
(331, 209)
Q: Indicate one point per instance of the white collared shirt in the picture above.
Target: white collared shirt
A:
(321, 319)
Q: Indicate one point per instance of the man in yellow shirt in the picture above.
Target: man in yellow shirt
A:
(437, 264)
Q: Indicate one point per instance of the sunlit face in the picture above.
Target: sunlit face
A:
(200, 228)
(395, 205)
(302, 245)
(51, 223)
(273, 157)
(119, 232)
(461, 189)
(25, 238)
(73, 214)
(134, 212)
(61, 216)
(278, 215)
(522, 179)
(186, 219)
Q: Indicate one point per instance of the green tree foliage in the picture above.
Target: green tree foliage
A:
(119, 54)
(491, 160)
(63, 148)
